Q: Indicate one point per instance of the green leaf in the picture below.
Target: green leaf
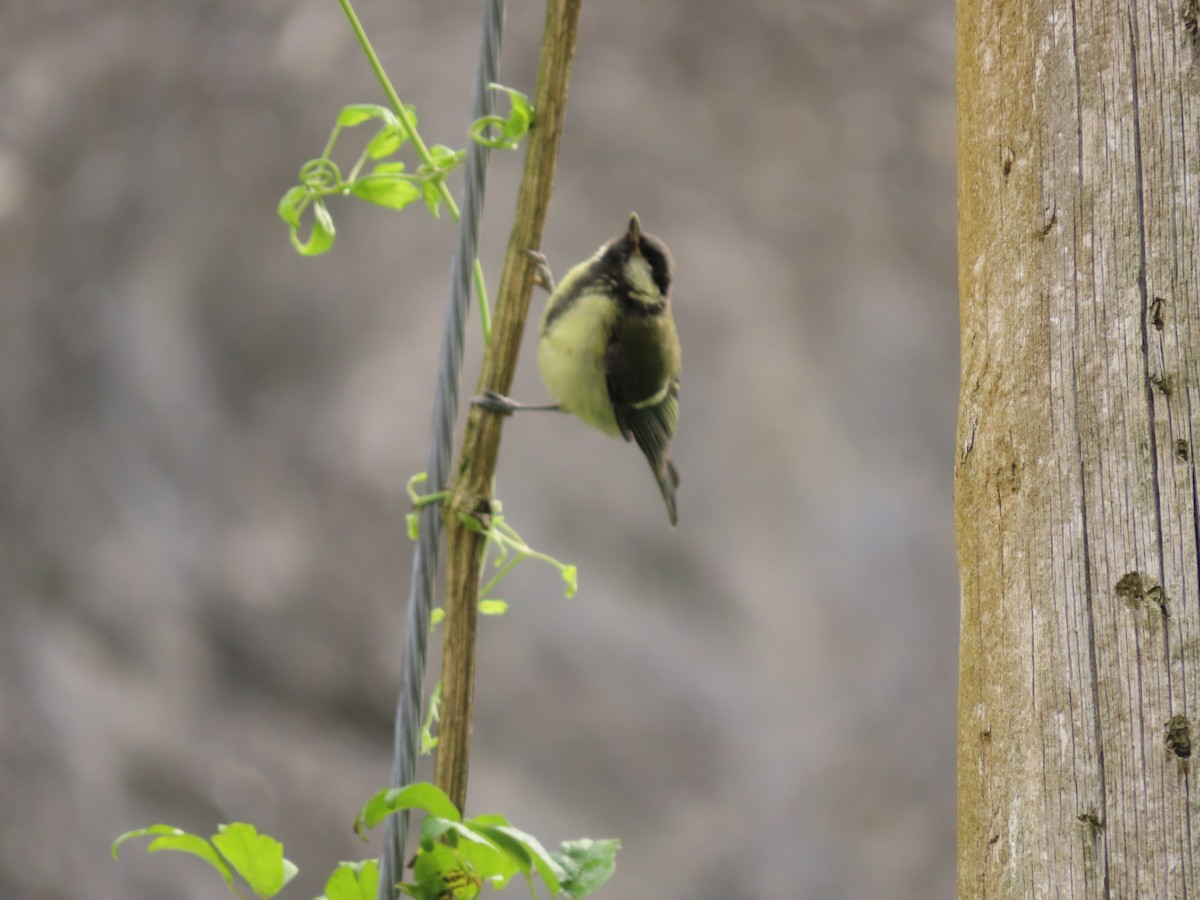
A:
(520, 116)
(357, 113)
(447, 158)
(590, 864)
(517, 857)
(433, 198)
(171, 838)
(386, 190)
(436, 828)
(489, 819)
(321, 238)
(436, 615)
(506, 836)
(386, 141)
(421, 795)
(571, 576)
(289, 871)
(413, 520)
(481, 855)
(144, 832)
(431, 829)
(440, 873)
(353, 881)
(258, 858)
(393, 167)
(292, 204)
(493, 607)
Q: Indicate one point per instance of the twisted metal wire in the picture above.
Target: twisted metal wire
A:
(445, 411)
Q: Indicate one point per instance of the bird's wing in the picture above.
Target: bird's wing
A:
(643, 391)
(641, 372)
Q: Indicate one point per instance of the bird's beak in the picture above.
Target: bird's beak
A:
(635, 230)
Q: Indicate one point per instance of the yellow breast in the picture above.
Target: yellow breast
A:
(571, 359)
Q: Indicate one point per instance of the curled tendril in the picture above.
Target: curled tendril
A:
(490, 132)
(320, 174)
(500, 133)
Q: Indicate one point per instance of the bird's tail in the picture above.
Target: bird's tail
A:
(652, 423)
(667, 477)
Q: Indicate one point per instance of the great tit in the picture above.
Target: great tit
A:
(608, 351)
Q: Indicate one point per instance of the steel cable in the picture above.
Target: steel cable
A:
(445, 412)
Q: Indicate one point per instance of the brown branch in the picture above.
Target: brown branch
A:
(470, 494)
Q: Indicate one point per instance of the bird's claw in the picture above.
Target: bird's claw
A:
(497, 403)
(541, 272)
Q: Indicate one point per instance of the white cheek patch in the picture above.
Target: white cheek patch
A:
(641, 279)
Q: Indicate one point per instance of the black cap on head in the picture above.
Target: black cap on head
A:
(654, 250)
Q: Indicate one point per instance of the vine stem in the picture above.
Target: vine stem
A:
(397, 106)
(470, 493)
(485, 314)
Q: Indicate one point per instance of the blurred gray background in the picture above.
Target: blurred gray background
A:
(204, 441)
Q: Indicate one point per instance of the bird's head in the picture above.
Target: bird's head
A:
(643, 261)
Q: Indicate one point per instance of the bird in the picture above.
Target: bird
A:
(608, 351)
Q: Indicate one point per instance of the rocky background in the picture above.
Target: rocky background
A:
(204, 441)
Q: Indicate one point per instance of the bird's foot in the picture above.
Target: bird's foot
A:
(497, 403)
(541, 273)
(506, 406)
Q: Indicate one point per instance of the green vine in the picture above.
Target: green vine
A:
(510, 548)
(456, 858)
(511, 551)
(388, 183)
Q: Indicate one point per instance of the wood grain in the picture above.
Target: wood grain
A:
(1076, 511)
